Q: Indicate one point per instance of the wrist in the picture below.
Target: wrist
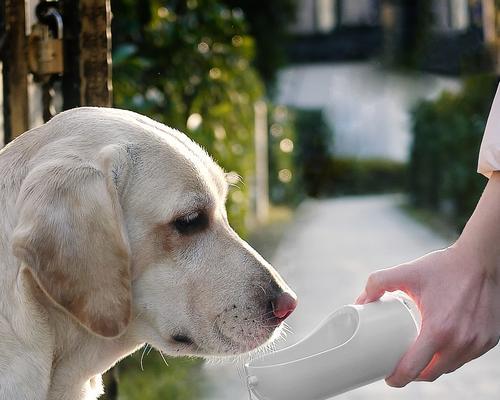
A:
(477, 255)
(478, 243)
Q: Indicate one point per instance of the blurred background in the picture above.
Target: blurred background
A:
(350, 130)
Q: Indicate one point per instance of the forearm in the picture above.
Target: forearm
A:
(480, 239)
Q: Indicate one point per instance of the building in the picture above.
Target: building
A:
(443, 36)
(342, 52)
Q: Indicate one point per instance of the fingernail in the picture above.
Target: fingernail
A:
(394, 383)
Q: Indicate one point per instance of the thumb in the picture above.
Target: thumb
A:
(385, 280)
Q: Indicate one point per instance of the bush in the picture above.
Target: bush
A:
(447, 135)
(181, 379)
(188, 64)
(314, 141)
(363, 176)
(284, 185)
(318, 173)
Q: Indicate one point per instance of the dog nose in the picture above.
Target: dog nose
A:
(283, 305)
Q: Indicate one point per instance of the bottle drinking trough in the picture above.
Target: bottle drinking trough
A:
(352, 347)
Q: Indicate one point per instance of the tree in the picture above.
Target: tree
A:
(268, 23)
(187, 63)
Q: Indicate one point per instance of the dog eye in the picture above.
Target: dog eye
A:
(191, 223)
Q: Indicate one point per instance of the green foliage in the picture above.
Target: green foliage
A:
(181, 379)
(268, 23)
(417, 19)
(283, 180)
(362, 176)
(312, 158)
(316, 172)
(188, 64)
(447, 135)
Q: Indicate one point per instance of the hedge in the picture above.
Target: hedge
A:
(447, 135)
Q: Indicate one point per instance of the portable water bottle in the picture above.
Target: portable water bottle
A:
(354, 346)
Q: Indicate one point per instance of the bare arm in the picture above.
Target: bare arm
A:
(458, 293)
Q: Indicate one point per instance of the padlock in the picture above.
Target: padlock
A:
(45, 52)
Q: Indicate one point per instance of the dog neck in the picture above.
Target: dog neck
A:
(79, 357)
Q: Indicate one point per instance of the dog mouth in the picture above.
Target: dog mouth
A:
(243, 339)
(231, 333)
(238, 339)
(224, 339)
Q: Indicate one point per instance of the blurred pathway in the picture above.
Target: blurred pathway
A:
(326, 257)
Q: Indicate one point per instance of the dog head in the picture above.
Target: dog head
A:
(128, 230)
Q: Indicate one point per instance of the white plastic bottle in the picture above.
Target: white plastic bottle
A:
(354, 346)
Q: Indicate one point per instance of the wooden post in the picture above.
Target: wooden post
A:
(95, 53)
(87, 79)
(489, 30)
(87, 53)
(15, 69)
(71, 78)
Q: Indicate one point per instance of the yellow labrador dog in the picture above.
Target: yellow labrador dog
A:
(113, 233)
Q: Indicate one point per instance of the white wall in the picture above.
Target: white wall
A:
(450, 15)
(358, 12)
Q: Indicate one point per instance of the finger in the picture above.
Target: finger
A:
(414, 361)
(440, 364)
(361, 298)
(385, 280)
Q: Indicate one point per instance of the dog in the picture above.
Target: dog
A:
(113, 234)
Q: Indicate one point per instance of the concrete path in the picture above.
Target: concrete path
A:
(326, 256)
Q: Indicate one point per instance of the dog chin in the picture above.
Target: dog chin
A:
(229, 347)
(218, 344)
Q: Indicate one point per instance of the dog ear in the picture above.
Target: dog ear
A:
(71, 235)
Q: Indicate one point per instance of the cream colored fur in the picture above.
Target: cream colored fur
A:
(92, 264)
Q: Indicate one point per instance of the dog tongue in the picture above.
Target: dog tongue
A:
(284, 305)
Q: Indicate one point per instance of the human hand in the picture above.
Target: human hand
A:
(459, 301)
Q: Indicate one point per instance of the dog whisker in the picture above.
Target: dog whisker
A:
(142, 356)
(163, 357)
(287, 325)
(138, 315)
(264, 290)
